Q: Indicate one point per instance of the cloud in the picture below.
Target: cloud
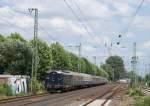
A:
(123, 8)
(146, 44)
(130, 35)
(58, 22)
(140, 53)
(57, 19)
(99, 40)
(142, 22)
(96, 9)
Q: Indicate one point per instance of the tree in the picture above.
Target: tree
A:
(147, 79)
(117, 66)
(2, 38)
(73, 62)
(102, 72)
(45, 58)
(59, 57)
(15, 57)
(16, 36)
(108, 69)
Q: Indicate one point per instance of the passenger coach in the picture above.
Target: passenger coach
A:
(65, 80)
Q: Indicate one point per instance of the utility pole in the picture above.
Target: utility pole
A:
(95, 64)
(148, 73)
(113, 72)
(109, 49)
(134, 64)
(35, 59)
(79, 52)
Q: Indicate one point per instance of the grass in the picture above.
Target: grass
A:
(143, 101)
(5, 90)
(137, 94)
(135, 91)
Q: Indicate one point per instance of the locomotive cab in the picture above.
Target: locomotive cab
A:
(54, 81)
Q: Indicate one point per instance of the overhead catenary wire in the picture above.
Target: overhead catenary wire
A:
(50, 36)
(12, 24)
(132, 19)
(25, 13)
(79, 19)
(83, 15)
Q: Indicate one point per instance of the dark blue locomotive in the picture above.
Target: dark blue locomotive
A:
(65, 80)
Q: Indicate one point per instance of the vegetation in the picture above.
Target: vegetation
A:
(114, 66)
(40, 88)
(143, 101)
(5, 90)
(135, 91)
(16, 58)
(15, 55)
(147, 79)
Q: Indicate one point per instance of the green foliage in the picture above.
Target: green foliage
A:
(73, 62)
(21, 94)
(147, 79)
(117, 65)
(2, 38)
(135, 91)
(145, 101)
(15, 57)
(39, 86)
(45, 58)
(59, 57)
(17, 37)
(104, 73)
(5, 90)
(108, 70)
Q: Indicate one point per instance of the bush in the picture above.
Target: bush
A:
(21, 94)
(143, 101)
(39, 86)
(5, 90)
(135, 91)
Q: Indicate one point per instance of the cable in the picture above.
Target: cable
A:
(134, 15)
(32, 17)
(78, 18)
(12, 24)
(133, 18)
(47, 33)
(83, 15)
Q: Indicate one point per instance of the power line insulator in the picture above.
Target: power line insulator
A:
(119, 36)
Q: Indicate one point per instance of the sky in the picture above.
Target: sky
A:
(95, 24)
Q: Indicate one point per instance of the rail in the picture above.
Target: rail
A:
(106, 96)
(146, 91)
(22, 98)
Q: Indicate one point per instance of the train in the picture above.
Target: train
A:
(65, 80)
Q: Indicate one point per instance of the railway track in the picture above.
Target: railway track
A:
(146, 91)
(13, 99)
(67, 98)
(103, 99)
(59, 99)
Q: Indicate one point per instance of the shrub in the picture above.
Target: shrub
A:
(21, 94)
(143, 101)
(5, 90)
(39, 86)
(135, 91)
